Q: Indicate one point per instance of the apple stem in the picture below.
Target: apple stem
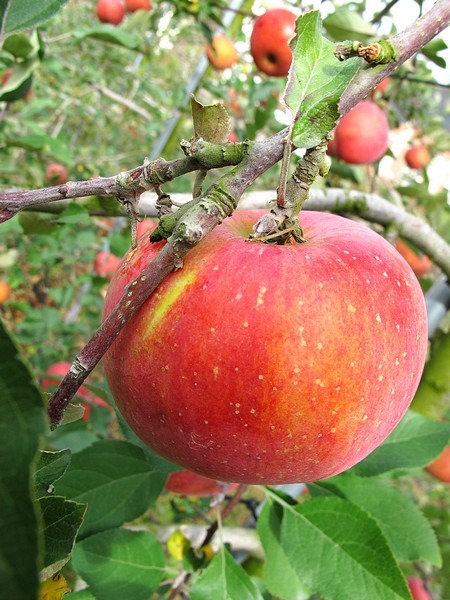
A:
(226, 511)
(281, 224)
(284, 174)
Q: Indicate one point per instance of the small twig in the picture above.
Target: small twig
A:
(226, 511)
(130, 104)
(385, 11)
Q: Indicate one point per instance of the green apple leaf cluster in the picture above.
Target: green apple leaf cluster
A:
(316, 82)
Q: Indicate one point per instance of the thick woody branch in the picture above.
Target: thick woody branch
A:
(137, 180)
(407, 43)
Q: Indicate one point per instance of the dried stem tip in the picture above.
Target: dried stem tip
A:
(378, 53)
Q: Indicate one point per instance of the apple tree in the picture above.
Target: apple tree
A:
(253, 401)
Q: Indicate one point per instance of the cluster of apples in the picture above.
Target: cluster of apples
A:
(113, 11)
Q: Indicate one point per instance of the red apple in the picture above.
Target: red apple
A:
(192, 484)
(419, 264)
(269, 42)
(145, 226)
(105, 264)
(5, 292)
(266, 363)
(440, 467)
(111, 11)
(362, 135)
(233, 138)
(133, 5)
(54, 375)
(221, 53)
(55, 174)
(417, 589)
(417, 157)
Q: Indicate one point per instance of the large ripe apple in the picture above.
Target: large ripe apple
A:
(269, 42)
(188, 483)
(362, 136)
(270, 364)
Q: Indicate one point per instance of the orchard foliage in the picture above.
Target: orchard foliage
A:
(85, 511)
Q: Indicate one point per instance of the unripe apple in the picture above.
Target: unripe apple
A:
(111, 11)
(134, 5)
(5, 292)
(362, 135)
(269, 42)
(417, 156)
(221, 53)
(191, 484)
(263, 363)
(105, 264)
(53, 377)
(440, 467)
(419, 264)
(417, 589)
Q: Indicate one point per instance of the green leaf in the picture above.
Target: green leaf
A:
(407, 531)
(41, 143)
(61, 522)
(346, 24)
(81, 595)
(18, 15)
(22, 423)
(431, 50)
(20, 45)
(21, 74)
(339, 550)
(50, 467)
(75, 214)
(280, 578)
(111, 34)
(224, 579)
(413, 444)
(431, 398)
(211, 122)
(316, 82)
(119, 564)
(115, 479)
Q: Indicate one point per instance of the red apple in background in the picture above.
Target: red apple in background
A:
(56, 372)
(440, 467)
(417, 589)
(221, 53)
(269, 42)
(233, 372)
(419, 264)
(192, 484)
(382, 87)
(111, 11)
(105, 264)
(417, 157)
(233, 138)
(5, 292)
(55, 174)
(145, 226)
(133, 5)
(362, 135)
